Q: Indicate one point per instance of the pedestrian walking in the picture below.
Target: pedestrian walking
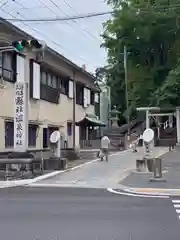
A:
(134, 142)
(104, 151)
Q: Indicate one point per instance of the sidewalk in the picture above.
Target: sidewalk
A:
(99, 174)
(94, 174)
(139, 182)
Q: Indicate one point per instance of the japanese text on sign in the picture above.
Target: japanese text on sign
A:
(19, 114)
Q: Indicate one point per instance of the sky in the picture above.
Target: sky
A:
(78, 40)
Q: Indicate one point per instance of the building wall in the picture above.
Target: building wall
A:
(40, 111)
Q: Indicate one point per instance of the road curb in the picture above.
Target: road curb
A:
(131, 194)
(151, 191)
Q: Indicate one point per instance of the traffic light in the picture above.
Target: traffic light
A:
(20, 45)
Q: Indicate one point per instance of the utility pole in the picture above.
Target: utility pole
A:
(126, 88)
(74, 110)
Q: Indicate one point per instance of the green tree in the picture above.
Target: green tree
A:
(151, 32)
(168, 94)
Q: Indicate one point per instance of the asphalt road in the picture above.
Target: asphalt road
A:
(79, 214)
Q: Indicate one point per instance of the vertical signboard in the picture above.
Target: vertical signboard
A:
(20, 117)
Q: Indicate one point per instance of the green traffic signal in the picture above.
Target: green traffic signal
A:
(18, 45)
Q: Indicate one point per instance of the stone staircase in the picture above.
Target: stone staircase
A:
(117, 134)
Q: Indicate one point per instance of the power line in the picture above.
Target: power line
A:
(96, 14)
(85, 30)
(91, 15)
(41, 1)
(46, 36)
(82, 16)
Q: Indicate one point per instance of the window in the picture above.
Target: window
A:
(7, 66)
(44, 77)
(54, 81)
(69, 129)
(79, 94)
(49, 80)
(49, 89)
(32, 135)
(9, 135)
(92, 98)
(64, 86)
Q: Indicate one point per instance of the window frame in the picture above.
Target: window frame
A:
(80, 94)
(9, 140)
(12, 71)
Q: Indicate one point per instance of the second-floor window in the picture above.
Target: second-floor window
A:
(7, 66)
(54, 81)
(92, 98)
(79, 94)
(50, 80)
(50, 87)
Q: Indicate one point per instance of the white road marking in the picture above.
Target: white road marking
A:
(135, 195)
(176, 204)
(176, 201)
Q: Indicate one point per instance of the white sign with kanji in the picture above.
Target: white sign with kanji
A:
(20, 117)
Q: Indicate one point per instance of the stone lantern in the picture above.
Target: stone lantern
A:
(114, 116)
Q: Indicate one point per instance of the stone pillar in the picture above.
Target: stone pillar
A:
(170, 121)
(147, 119)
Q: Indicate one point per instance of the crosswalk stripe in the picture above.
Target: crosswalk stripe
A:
(176, 201)
(176, 205)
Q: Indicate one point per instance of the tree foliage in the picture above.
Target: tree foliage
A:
(151, 32)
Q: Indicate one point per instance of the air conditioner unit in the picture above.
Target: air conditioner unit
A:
(1, 82)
